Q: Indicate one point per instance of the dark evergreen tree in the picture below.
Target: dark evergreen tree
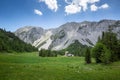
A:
(107, 48)
(109, 39)
(87, 56)
(118, 49)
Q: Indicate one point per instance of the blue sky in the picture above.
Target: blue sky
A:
(53, 13)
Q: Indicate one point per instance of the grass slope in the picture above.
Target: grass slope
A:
(28, 66)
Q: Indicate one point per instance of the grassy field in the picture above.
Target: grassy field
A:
(30, 66)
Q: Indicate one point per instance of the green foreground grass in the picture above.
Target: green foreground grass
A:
(29, 66)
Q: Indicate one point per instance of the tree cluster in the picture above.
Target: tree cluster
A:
(10, 43)
(47, 53)
(107, 48)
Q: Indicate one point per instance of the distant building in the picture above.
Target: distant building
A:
(67, 54)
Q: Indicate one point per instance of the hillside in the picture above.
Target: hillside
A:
(11, 43)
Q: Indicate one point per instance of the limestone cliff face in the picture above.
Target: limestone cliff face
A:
(29, 34)
(85, 32)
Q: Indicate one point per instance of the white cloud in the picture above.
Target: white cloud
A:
(104, 6)
(72, 9)
(93, 7)
(93, 1)
(83, 4)
(37, 12)
(52, 4)
(68, 2)
(75, 6)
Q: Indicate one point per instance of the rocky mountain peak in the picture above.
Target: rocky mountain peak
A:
(29, 34)
(85, 32)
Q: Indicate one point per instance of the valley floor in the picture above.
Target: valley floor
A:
(29, 66)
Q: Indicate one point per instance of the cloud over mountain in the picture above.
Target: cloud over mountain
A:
(72, 9)
(75, 6)
(104, 6)
(52, 4)
(95, 8)
(38, 12)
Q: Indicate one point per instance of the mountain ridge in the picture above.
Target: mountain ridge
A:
(86, 32)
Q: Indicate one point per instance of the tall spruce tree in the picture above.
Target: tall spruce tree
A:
(87, 56)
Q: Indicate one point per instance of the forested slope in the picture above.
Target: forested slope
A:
(10, 43)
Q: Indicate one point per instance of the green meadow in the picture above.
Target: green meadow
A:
(29, 66)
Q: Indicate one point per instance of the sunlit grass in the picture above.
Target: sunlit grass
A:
(29, 66)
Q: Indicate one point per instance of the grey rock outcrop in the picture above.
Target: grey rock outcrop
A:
(86, 33)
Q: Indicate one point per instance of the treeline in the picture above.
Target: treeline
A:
(106, 50)
(10, 43)
(48, 53)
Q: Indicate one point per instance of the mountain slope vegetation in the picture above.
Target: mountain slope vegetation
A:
(76, 48)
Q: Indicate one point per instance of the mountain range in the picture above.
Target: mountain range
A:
(85, 32)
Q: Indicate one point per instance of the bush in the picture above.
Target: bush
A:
(106, 56)
(47, 53)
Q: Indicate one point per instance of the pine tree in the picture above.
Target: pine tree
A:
(109, 39)
(107, 48)
(87, 56)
